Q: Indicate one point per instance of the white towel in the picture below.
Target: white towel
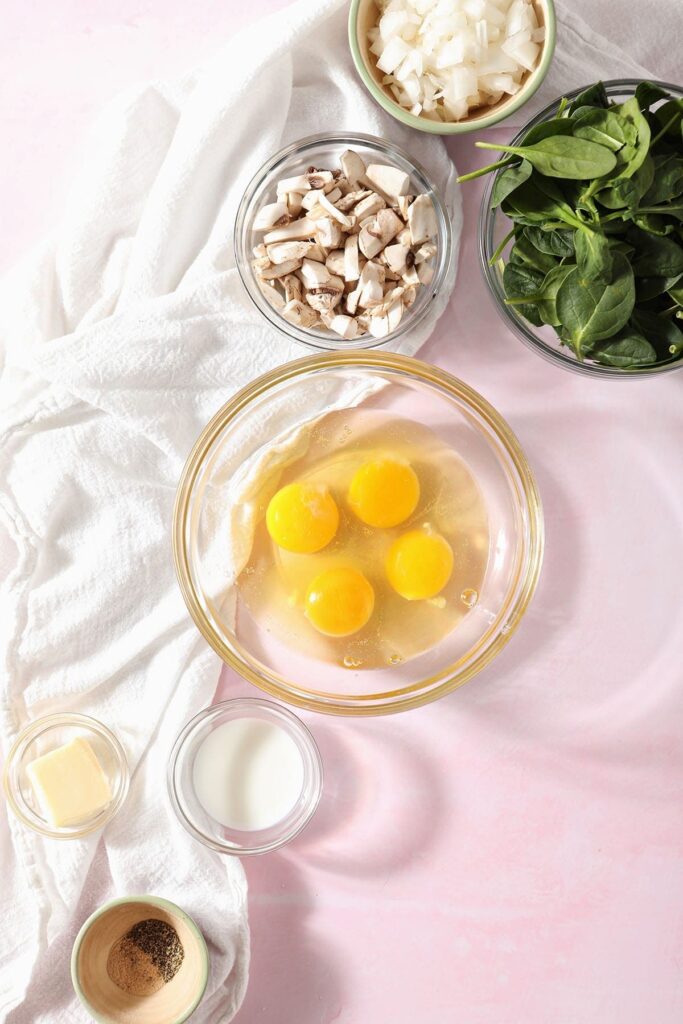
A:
(118, 341)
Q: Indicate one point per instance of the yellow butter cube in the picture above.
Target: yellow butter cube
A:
(69, 783)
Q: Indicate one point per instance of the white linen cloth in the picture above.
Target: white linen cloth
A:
(118, 340)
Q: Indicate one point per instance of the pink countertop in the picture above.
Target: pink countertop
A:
(512, 854)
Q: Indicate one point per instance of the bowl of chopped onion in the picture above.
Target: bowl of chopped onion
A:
(452, 66)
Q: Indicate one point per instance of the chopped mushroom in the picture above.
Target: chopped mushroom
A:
(270, 216)
(345, 250)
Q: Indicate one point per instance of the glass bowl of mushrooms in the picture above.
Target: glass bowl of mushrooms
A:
(343, 241)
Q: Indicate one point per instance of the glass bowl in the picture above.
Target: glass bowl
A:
(40, 737)
(494, 226)
(363, 15)
(324, 151)
(190, 812)
(266, 410)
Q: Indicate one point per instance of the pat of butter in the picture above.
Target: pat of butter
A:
(69, 783)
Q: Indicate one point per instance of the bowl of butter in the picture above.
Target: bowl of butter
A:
(66, 776)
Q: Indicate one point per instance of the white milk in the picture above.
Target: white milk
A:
(248, 774)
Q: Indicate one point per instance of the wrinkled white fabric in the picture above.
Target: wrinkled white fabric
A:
(597, 39)
(118, 340)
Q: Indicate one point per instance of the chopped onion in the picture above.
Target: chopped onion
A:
(443, 58)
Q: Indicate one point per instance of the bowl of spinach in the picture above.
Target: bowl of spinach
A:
(581, 230)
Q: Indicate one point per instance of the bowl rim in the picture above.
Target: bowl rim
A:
(516, 324)
(423, 124)
(156, 901)
(67, 718)
(273, 711)
(442, 682)
(331, 342)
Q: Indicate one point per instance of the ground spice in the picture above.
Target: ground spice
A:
(147, 957)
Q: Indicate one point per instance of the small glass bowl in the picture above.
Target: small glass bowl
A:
(494, 226)
(189, 810)
(324, 151)
(44, 735)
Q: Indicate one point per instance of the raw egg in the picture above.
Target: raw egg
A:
(384, 492)
(302, 517)
(339, 602)
(419, 564)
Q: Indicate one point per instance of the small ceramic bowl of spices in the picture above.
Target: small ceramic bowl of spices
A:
(140, 959)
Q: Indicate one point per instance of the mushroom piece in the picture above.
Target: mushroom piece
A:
(314, 274)
(392, 181)
(369, 206)
(389, 299)
(421, 220)
(325, 297)
(328, 233)
(335, 261)
(296, 231)
(279, 270)
(396, 256)
(299, 314)
(316, 252)
(281, 252)
(270, 216)
(403, 205)
(410, 276)
(376, 236)
(425, 252)
(311, 199)
(300, 183)
(318, 179)
(345, 326)
(425, 273)
(294, 203)
(352, 301)
(293, 287)
(351, 262)
(352, 165)
(371, 284)
(351, 198)
(331, 209)
(272, 295)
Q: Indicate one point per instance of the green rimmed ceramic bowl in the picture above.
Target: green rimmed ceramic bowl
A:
(106, 1003)
(364, 14)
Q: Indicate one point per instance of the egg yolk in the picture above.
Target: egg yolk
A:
(302, 517)
(419, 564)
(384, 492)
(339, 602)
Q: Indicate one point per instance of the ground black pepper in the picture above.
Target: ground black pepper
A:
(148, 956)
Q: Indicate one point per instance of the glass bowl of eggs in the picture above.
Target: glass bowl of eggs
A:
(357, 533)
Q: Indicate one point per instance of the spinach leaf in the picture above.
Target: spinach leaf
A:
(650, 287)
(593, 96)
(667, 181)
(524, 251)
(544, 130)
(606, 128)
(559, 242)
(593, 311)
(508, 180)
(547, 302)
(520, 282)
(669, 117)
(563, 156)
(593, 255)
(625, 350)
(648, 93)
(636, 152)
(658, 330)
(655, 256)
